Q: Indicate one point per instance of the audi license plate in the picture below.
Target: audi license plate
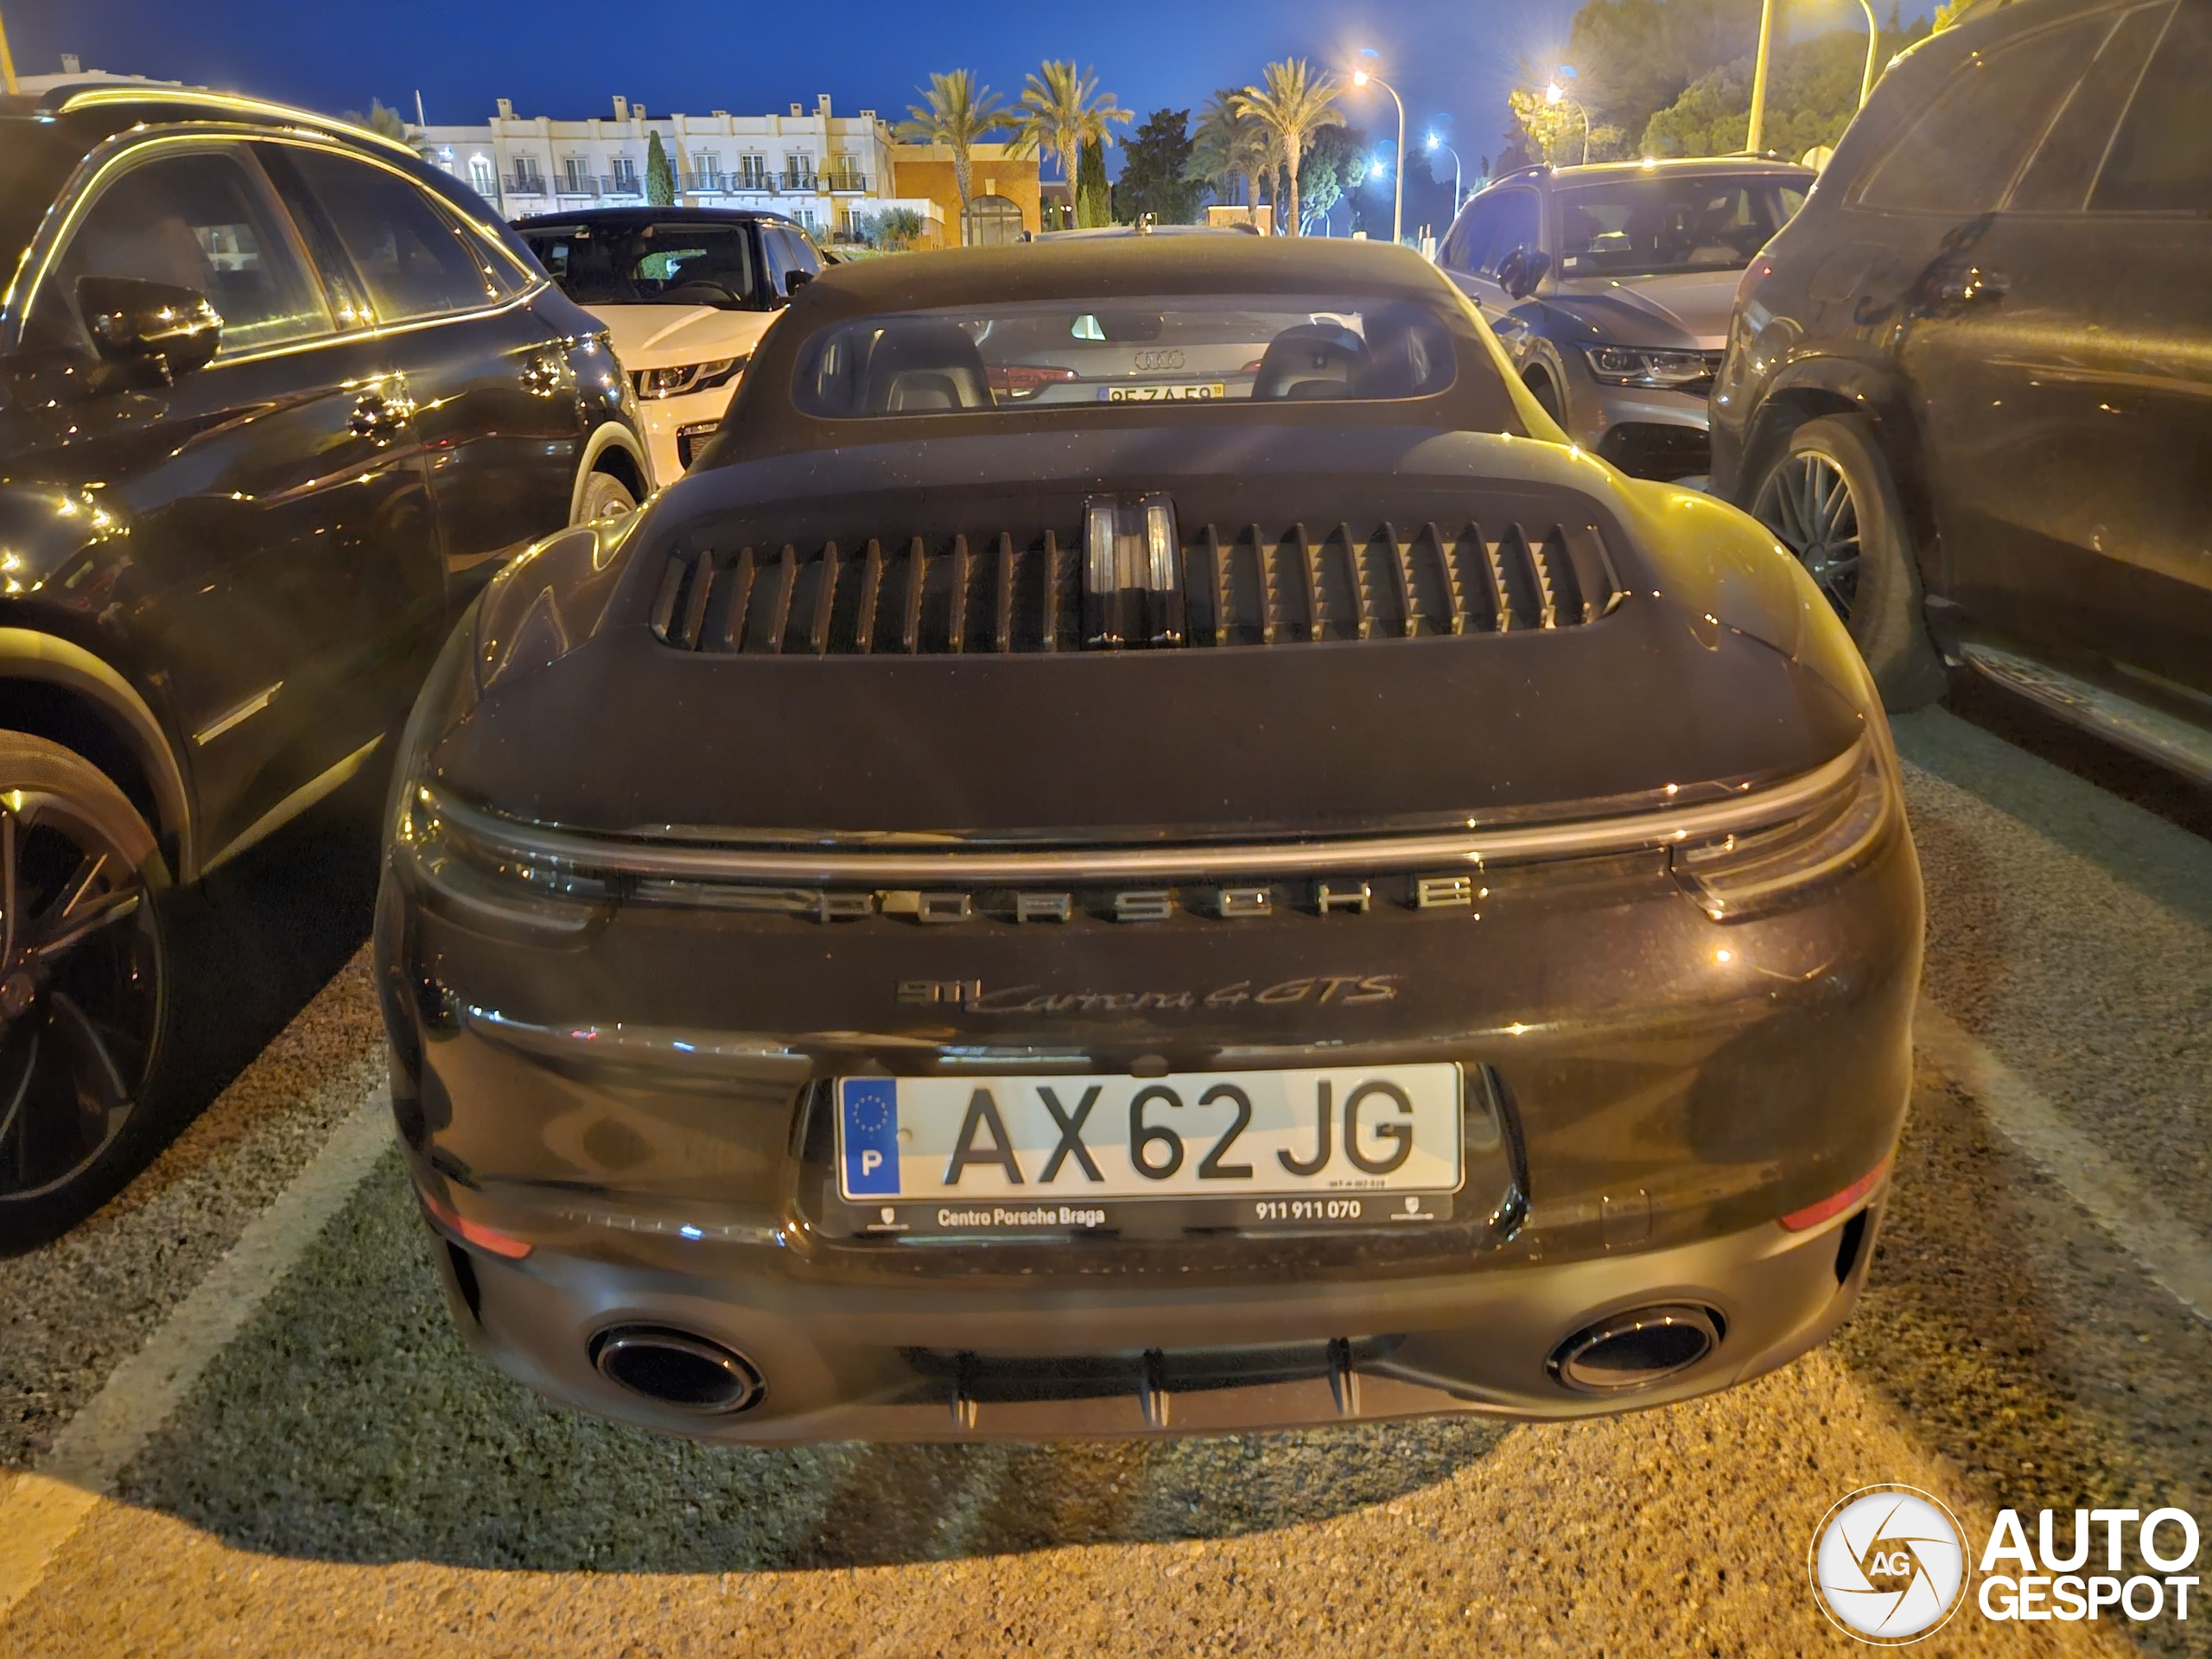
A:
(1206, 392)
(1355, 1146)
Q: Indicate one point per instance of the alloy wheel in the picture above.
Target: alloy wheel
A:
(80, 991)
(1807, 502)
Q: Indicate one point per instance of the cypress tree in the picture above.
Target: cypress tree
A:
(660, 178)
(1094, 201)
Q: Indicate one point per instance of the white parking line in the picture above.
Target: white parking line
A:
(2173, 1254)
(44, 1505)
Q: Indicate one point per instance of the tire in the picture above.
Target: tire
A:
(1545, 391)
(1831, 500)
(605, 497)
(85, 1002)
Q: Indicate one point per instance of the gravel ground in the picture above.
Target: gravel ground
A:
(271, 929)
(345, 1478)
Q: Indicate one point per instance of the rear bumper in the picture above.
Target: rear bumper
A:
(873, 1362)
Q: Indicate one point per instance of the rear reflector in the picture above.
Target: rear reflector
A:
(1813, 1215)
(475, 1232)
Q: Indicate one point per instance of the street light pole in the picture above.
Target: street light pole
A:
(1873, 45)
(1555, 93)
(1758, 78)
(1436, 143)
(1360, 78)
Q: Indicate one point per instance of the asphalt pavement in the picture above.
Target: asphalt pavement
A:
(233, 1418)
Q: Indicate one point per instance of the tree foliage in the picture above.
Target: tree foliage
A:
(1061, 111)
(1812, 92)
(1094, 197)
(1155, 172)
(1293, 104)
(660, 177)
(1633, 57)
(1334, 166)
(958, 114)
(1230, 149)
(892, 230)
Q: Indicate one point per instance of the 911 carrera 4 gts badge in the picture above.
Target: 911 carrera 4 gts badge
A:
(1340, 990)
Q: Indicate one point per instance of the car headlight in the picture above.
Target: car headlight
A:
(1753, 874)
(687, 376)
(1634, 365)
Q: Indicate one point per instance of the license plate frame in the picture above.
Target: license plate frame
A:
(1283, 1129)
(1182, 391)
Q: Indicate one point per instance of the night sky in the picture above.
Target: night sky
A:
(1453, 60)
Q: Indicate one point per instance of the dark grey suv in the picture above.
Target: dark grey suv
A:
(1971, 385)
(1610, 288)
(275, 399)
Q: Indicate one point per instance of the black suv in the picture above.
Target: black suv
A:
(276, 398)
(1971, 384)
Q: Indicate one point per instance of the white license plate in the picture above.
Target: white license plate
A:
(1205, 393)
(1208, 1134)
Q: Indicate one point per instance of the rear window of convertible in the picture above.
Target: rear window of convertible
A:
(1184, 349)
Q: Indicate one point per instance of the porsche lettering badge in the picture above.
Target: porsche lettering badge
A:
(1341, 990)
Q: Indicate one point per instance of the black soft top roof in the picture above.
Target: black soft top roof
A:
(1137, 265)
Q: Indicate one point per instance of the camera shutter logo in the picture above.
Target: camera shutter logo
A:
(1889, 1564)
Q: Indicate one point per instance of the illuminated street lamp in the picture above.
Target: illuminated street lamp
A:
(1435, 144)
(1361, 78)
(1555, 94)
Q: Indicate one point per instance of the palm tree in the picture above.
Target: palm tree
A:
(1228, 146)
(1059, 115)
(1294, 105)
(959, 115)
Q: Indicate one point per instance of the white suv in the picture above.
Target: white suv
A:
(686, 294)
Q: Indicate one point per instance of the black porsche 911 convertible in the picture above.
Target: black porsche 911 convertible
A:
(1145, 848)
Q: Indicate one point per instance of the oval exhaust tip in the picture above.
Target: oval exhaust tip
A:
(674, 1368)
(1635, 1348)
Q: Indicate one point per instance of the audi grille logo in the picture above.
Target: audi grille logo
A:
(1152, 362)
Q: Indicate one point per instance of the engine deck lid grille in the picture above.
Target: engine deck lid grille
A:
(1009, 590)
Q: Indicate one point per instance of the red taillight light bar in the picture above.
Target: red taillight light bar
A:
(1027, 380)
(489, 1239)
(1813, 1215)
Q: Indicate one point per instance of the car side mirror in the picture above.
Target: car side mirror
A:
(1521, 270)
(794, 281)
(151, 328)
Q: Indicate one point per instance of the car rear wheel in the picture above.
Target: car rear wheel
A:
(1545, 391)
(1829, 498)
(83, 994)
(605, 496)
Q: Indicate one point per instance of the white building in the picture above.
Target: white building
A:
(811, 166)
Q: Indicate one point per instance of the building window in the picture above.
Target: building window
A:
(626, 175)
(991, 222)
(576, 176)
(707, 166)
(483, 175)
(529, 180)
(754, 170)
(799, 170)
